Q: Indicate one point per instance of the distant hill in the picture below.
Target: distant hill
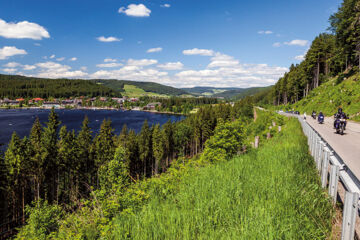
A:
(228, 93)
(207, 91)
(152, 87)
(240, 93)
(14, 86)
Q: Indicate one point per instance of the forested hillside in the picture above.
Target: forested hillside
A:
(14, 86)
(118, 85)
(331, 55)
(240, 93)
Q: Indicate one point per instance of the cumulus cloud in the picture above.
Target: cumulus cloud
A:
(108, 39)
(153, 50)
(299, 57)
(60, 59)
(166, 5)
(196, 51)
(9, 51)
(29, 67)
(73, 59)
(222, 60)
(297, 42)
(267, 32)
(57, 70)
(109, 65)
(12, 65)
(109, 60)
(134, 10)
(171, 66)
(23, 29)
(141, 62)
(9, 70)
(51, 57)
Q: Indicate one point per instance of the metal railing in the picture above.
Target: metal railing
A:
(333, 171)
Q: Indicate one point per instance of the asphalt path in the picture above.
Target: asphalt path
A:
(347, 146)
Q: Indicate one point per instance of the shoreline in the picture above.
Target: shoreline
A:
(93, 108)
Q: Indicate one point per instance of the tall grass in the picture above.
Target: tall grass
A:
(271, 193)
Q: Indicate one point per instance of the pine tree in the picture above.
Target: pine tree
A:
(49, 155)
(158, 146)
(145, 148)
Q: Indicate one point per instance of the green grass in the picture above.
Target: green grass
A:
(330, 96)
(270, 193)
(133, 91)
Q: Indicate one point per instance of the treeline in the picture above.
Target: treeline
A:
(63, 167)
(118, 85)
(14, 86)
(330, 55)
(176, 104)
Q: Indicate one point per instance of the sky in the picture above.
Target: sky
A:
(180, 43)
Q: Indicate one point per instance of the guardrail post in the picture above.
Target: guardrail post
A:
(324, 168)
(320, 156)
(333, 184)
(349, 215)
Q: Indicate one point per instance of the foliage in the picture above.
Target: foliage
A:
(13, 86)
(253, 196)
(44, 220)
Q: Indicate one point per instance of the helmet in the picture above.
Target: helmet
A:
(340, 110)
(320, 113)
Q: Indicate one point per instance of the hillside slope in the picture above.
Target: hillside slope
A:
(253, 196)
(152, 87)
(329, 96)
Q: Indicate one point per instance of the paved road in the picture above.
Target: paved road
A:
(347, 146)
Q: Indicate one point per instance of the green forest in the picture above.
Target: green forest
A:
(334, 58)
(14, 86)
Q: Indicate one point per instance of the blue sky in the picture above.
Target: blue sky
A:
(182, 43)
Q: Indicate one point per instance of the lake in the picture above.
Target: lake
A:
(21, 120)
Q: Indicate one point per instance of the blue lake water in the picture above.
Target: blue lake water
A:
(21, 120)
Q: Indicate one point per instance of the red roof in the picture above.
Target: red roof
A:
(38, 99)
(20, 99)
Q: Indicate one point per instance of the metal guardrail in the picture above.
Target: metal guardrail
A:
(331, 167)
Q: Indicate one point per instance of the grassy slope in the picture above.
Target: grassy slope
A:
(330, 96)
(133, 91)
(271, 193)
(149, 87)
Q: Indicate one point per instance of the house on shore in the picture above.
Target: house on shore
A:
(152, 106)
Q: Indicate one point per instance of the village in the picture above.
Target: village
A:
(82, 102)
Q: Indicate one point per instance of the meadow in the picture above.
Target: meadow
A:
(269, 193)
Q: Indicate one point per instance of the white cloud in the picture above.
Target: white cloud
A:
(29, 67)
(108, 39)
(9, 70)
(134, 10)
(109, 60)
(297, 42)
(299, 57)
(196, 51)
(60, 59)
(166, 5)
(153, 50)
(277, 44)
(109, 65)
(222, 60)
(171, 66)
(265, 32)
(57, 70)
(52, 56)
(73, 59)
(141, 62)
(23, 29)
(37, 44)
(9, 51)
(12, 65)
